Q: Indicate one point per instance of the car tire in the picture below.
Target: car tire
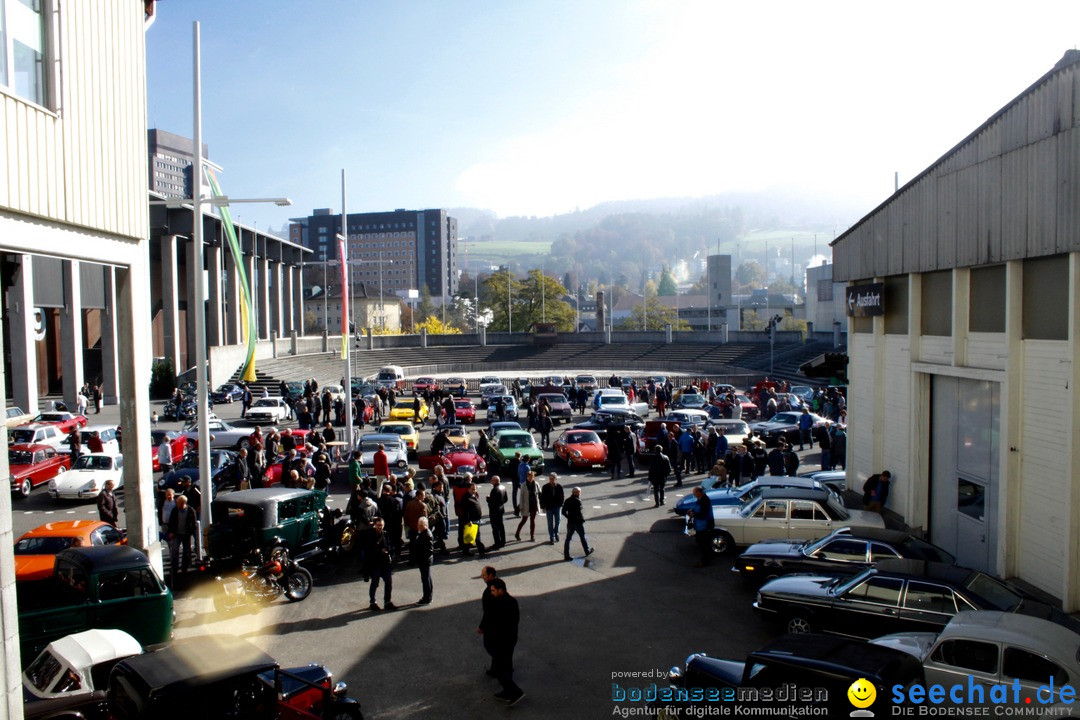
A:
(723, 543)
(25, 488)
(798, 624)
(244, 444)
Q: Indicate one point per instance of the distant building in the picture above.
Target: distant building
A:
(402, 249)
(171, 159)
(368, 308)
(824, 299)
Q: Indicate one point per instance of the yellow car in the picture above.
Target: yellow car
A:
(403, 410)
(406, 431)
(458, 435)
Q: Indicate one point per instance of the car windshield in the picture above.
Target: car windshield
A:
(552, 398)
(613, 400)
(748, 508)
(993, 591)
(42, 545)
(844, 586)
(22, 436)
(51, 417)
(515, 441)
(404, 404)
(158, 436)
(225, 389)
(20, 457)
(582, 437)
(397, 429)
(786, 418)
(266, 402)
(92, 462)
(739, 428)
(387, 376)
(463, 404)
(43, 671)
(373, 446)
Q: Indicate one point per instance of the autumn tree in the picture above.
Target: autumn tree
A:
(653, 315)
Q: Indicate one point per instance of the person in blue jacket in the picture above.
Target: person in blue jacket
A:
(704, 525)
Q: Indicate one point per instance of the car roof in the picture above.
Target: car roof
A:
(513, 431)
(198, 661)
(1014, 629)
(103, 558)
(90, 647)
(395, 423)
(63, 528)
(260, 496)
(29, 448)
(893, 537)
(33, 426)
(381, 437)
(789, 493)
(849, 657)
(98, 428)
(924, 569)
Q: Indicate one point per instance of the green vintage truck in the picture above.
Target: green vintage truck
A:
(113, 586)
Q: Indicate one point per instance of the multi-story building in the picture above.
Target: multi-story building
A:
(402, 249)
(171, 159)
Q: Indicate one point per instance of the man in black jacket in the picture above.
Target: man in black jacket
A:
(422, 553)
(551, 502)
(499, 627)
(614, 442)
(658, 472)
(181, 527)
(575, 523)
(471, 512)
(496, 501)
(379, 566)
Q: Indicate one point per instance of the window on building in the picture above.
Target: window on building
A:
(1046, 298)
(937, 303)
(23, 45)
(896, 305)
(986, 312)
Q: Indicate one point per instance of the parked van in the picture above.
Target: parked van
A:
(391, 376)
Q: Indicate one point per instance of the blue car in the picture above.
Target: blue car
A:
(747, 492)
(228, 393)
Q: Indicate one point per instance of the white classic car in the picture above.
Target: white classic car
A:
(225, 436)
(74, 666)
(397, 454)
(87, 477)
(267, 410)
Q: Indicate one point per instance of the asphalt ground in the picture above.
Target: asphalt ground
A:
(622, 616)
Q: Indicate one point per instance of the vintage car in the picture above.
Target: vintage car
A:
(397, 454)
(456, 385)
(268, 411)
(586, 382)
(689, 401)
(510, 407)
(580, 449)
(225, 436)
(427, 383)
(270, 520)
(688, 417)
(650, 433)
(37, 434)
(736, 431)
(845, 552)
(70, 677)
(827, 665)
(110, 439)
(457, 435)
(391, 377)
(87, 477)
(747, 492)
(228, 393)
(35, 551)
(405, 409)
(490, 390)
(499, 426)
(178, 446)
(455, 461)
(16, 416)
(66, 421)
(507, 443)
(464, 411)
(785, 513)
(893, 596)
(222, 471)
(748, 409)
(223, 676)
(337, 392)
(988, 648)
(784, 425)
(34, 465)
(404, 429)
(604, 419)
(559, 409)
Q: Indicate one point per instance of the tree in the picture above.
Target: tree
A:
(434, 326)
(501, 288)
(539, 299)
(667, 286)
(425, 308)
(750, 274)
(656, 313)
(751, 320)
(312, 324)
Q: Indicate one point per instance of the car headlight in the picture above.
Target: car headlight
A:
(52, 484)
(576, 454)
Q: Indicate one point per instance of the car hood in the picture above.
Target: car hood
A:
(776, 548)
(864, 518)
(770, 425)
(801, 585)
(529, 452)
(34, 567)
(730, 672)
(913, 643)
(727, 513)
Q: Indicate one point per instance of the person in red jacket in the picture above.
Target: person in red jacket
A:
(382, 468)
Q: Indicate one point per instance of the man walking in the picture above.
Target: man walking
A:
(704, 526)
(106, 504)
(658, 472)
(496, 501)
(472, 513)
(551, 502)
(422, 552)
(499, 627)
(575, 523)
(181, 529)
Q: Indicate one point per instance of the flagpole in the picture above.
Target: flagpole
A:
(346, 338)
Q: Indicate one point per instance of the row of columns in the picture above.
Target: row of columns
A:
(277, 289)
(25, 325)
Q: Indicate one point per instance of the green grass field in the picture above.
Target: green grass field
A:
(505, 248)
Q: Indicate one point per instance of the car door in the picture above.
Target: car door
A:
(307, 521)
(288, 527)
(960, 661)
(808, 521)
(868, 609)
(1032, 670)
(841, 554)
(769, 521)
(927, 607)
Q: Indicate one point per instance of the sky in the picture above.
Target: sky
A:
(543, 107)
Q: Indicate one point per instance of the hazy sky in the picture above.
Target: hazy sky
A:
(539, 107)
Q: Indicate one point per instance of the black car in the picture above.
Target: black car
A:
(818, 669)
(845, 552)
(893, 596)
(604, 419)
(222, 471)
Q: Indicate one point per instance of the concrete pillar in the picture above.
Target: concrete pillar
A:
(132, 323)
(273, 342)
(667, 333)
(192, 308)
(9, 620)
(71, 333)
(276, 301)
(20, 306)
(325, 340)
(423, 337)
(110, 378)
(370, 339)
(836, 327)
(216, 294)
(293, 346)
(724, 332)
(170, 301)
(483, 336)
(298, 300)
(263, 300)
(233, 298)
(288, 314)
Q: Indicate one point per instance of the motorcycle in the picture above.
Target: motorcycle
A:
(263, 581)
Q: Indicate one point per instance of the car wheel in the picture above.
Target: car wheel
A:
(279, 553)
(799, 625)
(298, 584)
(244, 443)
(25, 488)
(722, 543)
(348, 534)
(346, 713)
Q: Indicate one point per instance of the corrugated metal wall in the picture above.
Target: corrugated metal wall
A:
(1011, 190)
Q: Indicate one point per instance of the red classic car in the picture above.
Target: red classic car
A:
(464, 411)
(66, 421)
(425, 383)
(33, 465)
(455, 460)
(178, 442)
(581, 448)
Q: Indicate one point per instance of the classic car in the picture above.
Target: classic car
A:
(892, 596)
(458, 435)
(489, 390)
(844, 552)
(337, 392)
(836, 479)
(228, 393)
(688, 417)
(294, 390)
(987, 647)
(223, 676)
(268, 410)
(391, 377)
(456, 385)
(405, 409)
(588, 382)
(559, 408)
(16, 416)
(604, 419)
(650, 432)
(34, 465)
(783, 425)
(747, 492)
(610, 399)
(805, 392)
(748, 409)
(87, 477)
(785, 513)
(107, 433)
(523, 386)
(225, 436)
(464, 411)
(580, 449)
(66, 421)
(222, 471)
(510, 407)
(270, 520)
(37, 434)
(736, 431)
(689, 401)
(397, 454)
(455, 461)
(178, 446)
(406, 430)
(827, 664)
(70, 677)
(490, 380)
(35, 551)
(508, 442)
(427, 382)
(499, 426)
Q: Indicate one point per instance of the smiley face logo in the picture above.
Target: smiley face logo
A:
(862, 693)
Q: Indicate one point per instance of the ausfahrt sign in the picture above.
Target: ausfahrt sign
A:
(866, 300)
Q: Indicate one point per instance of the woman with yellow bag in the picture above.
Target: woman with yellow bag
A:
(470, 514)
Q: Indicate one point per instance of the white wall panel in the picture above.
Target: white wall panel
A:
(896, 422)
(987, 350)
(860, 445)
(936, 349)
